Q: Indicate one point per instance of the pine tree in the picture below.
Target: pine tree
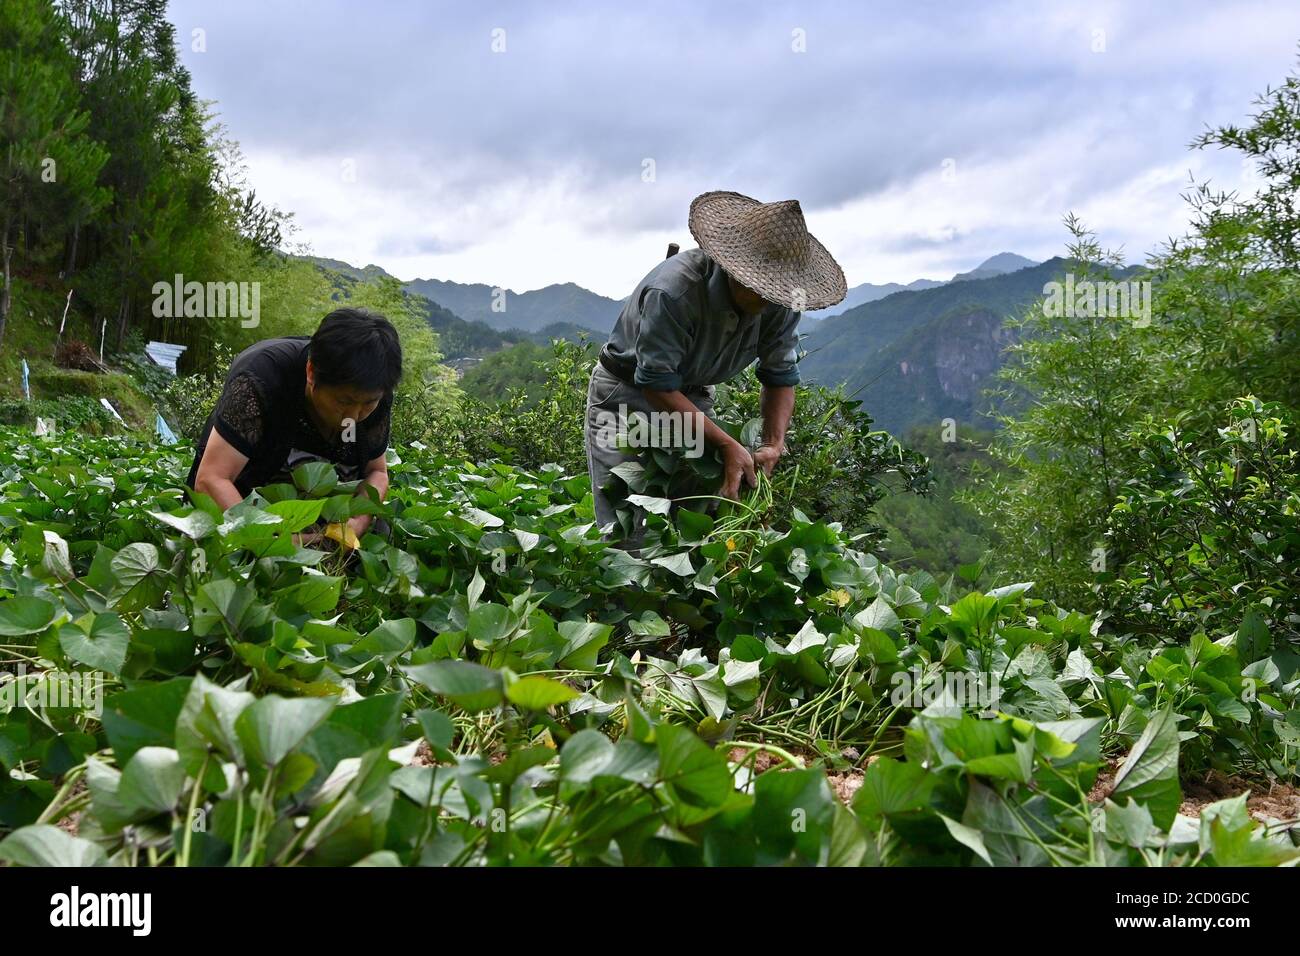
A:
(48, 162)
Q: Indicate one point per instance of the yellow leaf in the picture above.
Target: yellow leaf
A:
(343, 534)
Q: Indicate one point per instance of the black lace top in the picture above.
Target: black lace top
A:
(262, 413)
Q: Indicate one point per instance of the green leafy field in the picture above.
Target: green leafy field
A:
(492, 684)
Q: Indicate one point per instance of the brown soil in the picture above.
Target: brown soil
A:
(1105, 782)
(424, 756)
(71, 824)
(762, 762)
(844, 783)
(75, 354)
(1278, 801)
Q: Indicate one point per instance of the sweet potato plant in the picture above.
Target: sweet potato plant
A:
(490, 683)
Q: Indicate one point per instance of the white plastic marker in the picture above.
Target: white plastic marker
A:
(164, 431)
(64, 321)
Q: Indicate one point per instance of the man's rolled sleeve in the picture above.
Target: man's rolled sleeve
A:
(778, 352)
(663, 340)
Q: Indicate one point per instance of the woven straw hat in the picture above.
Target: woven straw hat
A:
(767, 248)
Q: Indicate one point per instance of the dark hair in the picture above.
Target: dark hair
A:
(357, 347)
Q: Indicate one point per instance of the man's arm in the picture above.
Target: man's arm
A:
(377, 477)
(778, 373)
(737, 461)
(220, 466)
(665, 336)
(778, 407)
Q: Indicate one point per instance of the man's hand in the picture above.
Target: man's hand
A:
(343, 534)
(766, 458)
(777, 407)
(377, 478)
(737, 462)
(359, 525)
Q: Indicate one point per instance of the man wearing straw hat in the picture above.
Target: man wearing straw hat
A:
(701, 317)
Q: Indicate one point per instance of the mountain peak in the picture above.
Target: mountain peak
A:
(1006, 262)
(531, 311)
(997, 265)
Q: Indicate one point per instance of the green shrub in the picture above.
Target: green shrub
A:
(1207, 537)
(187, 400)
(150, 378)
(57, 385)
(73, 412)
(522, 430)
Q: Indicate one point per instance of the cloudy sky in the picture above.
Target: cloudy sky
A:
(521, 144)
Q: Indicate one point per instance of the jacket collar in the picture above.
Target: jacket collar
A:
(719, 295)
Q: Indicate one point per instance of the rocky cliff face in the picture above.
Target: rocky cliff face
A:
(967, 351)
(937, 371)
(916, 358)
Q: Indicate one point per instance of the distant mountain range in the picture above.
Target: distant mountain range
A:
(915, 358)
(465, 331)
(571, 308)
(862, 294)
(870, 292)
(1000, 264)
(915, 354)
(533, 311)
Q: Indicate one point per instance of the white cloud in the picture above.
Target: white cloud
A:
(524, 169)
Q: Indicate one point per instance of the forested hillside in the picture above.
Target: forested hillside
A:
(918, 357)
(564, 303)
(463, 337)
(860, 294)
